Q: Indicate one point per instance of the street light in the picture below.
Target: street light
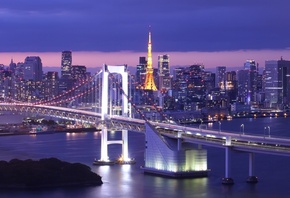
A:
(242, 128)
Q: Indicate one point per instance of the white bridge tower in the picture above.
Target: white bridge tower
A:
(122, 70)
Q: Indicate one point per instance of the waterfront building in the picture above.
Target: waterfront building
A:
(247, 83)
(277, 84)
(253, 73)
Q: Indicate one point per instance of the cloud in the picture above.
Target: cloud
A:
(110, 25)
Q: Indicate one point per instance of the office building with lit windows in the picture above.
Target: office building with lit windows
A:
(220, 76)
(32, 68)
(277, 84)
(164, 72)
(66, 82)
(50, 83)
(66, 64)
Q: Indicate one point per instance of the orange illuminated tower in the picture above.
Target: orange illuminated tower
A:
(149, 80)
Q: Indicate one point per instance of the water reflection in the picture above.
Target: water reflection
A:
(75, 135)
(130, 181)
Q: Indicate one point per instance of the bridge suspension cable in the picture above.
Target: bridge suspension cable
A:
(57, 99)
(154, 105)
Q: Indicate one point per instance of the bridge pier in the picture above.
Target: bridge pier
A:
(124, 159)
(104, 145)
(251, 178)
(125, 145)
(227, 179)
(104, 149)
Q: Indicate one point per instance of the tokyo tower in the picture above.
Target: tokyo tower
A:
(149, 80)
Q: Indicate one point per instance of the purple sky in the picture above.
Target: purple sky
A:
(205, 30)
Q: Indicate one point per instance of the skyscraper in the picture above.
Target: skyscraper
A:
(163, 65)
(277, 84)
(32, 68)
(220, 76)
(149, 80)
(78, 72)
(164, 72)
(66, 81)
(50, 85)
(66, 64)
(141, 71)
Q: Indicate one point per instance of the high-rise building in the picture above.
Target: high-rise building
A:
(66, 64)
(50, 82)
(141, 71)
(78, 72)
(231, 86)
(250, 65)
(277, 84)
(66, 81)
(163, 65)
(243, 86)
(220, 77)
(32, 68)
(6, 85)
(247, 83)
(189, 88)
(209, 81)
(149, 80)
(12, 66)
(164, 72)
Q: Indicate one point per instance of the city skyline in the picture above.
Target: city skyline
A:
(210, 60)
(103, 32)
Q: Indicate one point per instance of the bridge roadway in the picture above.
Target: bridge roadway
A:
(213, 138)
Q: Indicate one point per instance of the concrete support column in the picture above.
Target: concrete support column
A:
(104, 145)
(179, 141)
(227, 162)
(251, 162)
(227, 179)
(251, 178)
(105, 98)
(125, 145)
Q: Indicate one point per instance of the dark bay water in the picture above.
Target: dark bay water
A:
(129, 181)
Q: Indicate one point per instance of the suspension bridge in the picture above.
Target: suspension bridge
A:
(171, 149)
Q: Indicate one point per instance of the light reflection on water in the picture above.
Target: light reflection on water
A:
(130, 181)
